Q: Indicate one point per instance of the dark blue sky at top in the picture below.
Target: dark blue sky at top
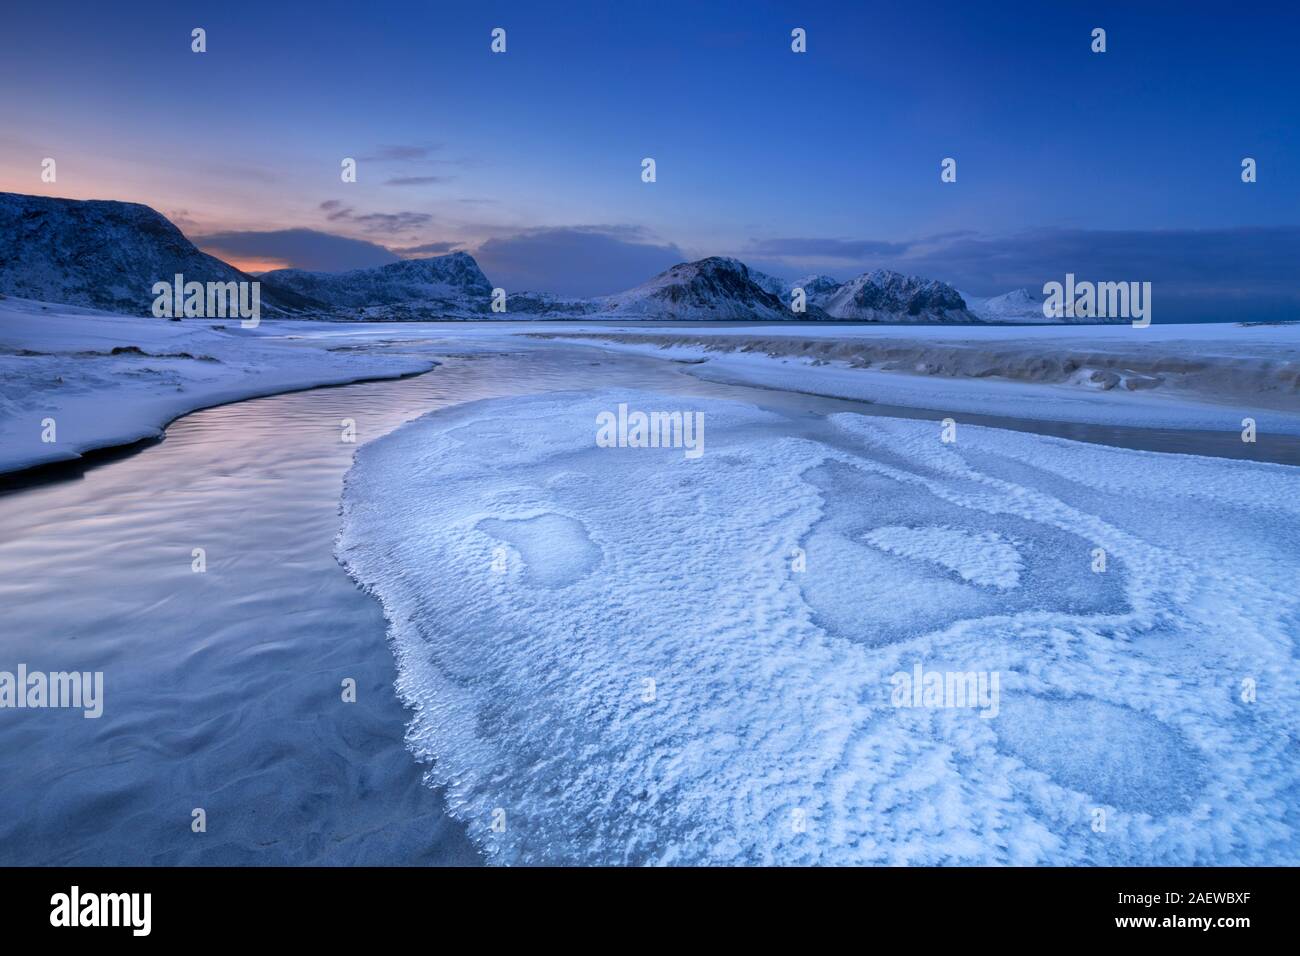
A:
(828, 161)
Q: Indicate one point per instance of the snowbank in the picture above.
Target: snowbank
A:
(621, 655)
(106, 380)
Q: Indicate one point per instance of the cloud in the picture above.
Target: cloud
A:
(575, 260)
(401, 154)
(418, 161)
(183, 221)
(297, 248)
(425, 249)
(416, 180)
(847, 249)
(375, 222)
(1196, 274)
(1184, 255)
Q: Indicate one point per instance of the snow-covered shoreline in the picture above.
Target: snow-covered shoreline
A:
(1206, 377)
(92, 380)
(108, 380)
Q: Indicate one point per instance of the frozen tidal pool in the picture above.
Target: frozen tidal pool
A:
(626, 655)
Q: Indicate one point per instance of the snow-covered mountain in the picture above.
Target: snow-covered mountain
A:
(104, 254)
(717, 287)
(545, 305)
(1019, 305)
(887, 296)
(437, 287)
(817, 288)
(712, 288)
(769, 283)
(880, 296)
(108, 255)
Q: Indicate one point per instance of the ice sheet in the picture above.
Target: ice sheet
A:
(619, 655)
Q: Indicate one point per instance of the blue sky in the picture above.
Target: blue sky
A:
(826, 161)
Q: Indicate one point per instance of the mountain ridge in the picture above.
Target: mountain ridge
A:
(452, 284)
(107, 254)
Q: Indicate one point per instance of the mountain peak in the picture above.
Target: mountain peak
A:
(1018, 305)
(448, 286)
(887, 295)
(101, 253)
(716, 287)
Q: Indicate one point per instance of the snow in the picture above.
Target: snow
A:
(818, 288)
(887, 296)
(450, 286)
(985, 558)
(616, 655)
(714, 288)
(641, 657)
(58, 362)
(1019, 305)
(1207, 377)
(101, 254)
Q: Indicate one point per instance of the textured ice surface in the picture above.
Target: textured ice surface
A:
(555, 549)
(1126, 759)
(648, 677)
(983, 558)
